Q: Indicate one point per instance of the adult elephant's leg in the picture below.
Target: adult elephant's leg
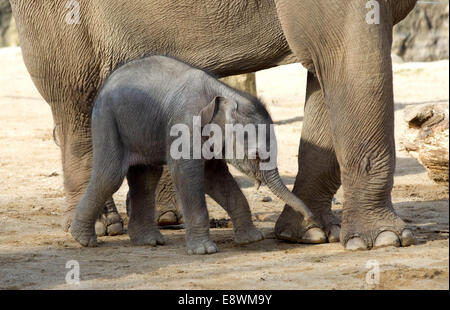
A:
(168, 209)
(74, 133)
(318, 177)
(67, 71)
(351, 59)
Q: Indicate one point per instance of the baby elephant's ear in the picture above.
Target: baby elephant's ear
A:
(208, 112)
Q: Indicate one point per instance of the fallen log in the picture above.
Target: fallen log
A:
(427, 139)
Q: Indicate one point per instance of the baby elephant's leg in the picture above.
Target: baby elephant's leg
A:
(106, 178)
(221, 186)
(188, 178)
(142, 228)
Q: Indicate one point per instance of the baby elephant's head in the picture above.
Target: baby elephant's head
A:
(243, 128)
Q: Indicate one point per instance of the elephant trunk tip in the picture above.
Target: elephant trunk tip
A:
(304, 210)
(273, 181)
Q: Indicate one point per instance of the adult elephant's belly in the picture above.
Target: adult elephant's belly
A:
(224, 37)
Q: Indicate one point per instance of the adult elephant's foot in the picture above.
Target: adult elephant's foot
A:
(169, 217)
(109, 222)
(291, 227)
(168, 211)
(366, 233)
(384, 239)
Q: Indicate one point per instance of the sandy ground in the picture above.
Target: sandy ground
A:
(34, 251)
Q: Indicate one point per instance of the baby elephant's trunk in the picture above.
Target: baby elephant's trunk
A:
(273, 181)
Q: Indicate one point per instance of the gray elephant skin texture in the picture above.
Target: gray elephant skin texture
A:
(133, 122)
(347, 137)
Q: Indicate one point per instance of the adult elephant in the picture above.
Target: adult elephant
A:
(69, 47)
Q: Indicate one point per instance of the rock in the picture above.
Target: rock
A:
(267, 199)
(427, 139)
(423, 34)
(8, 30)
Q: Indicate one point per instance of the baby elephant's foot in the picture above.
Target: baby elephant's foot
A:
(153, 238)
(248, 235)
(201, 247)
(83, 233)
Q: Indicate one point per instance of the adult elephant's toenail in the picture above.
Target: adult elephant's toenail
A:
(314, 235)
(100, 229)
(168, 218)
(115, 229)
(356, 244)
(211, 249)
(408, 238)
(333, 235)
(387, 238)
(112, 218)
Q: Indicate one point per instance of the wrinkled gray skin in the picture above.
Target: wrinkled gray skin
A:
(132, 120)
(348, 131)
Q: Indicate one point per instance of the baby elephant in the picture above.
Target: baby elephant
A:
(137, 119)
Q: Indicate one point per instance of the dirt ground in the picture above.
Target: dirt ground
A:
(34, 251)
